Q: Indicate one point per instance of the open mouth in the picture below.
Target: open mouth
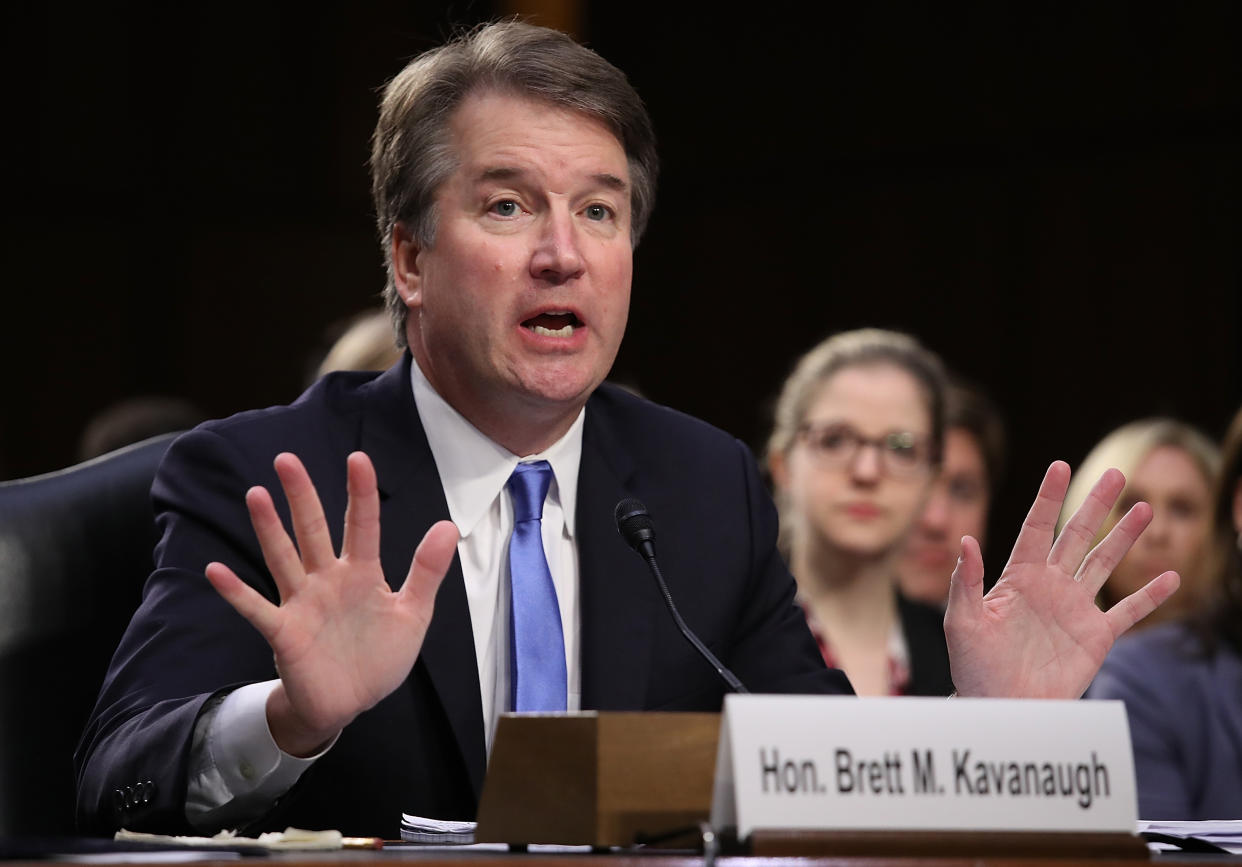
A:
(553, 324)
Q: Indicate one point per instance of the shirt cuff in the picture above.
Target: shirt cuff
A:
(240, 771)
(242, 747)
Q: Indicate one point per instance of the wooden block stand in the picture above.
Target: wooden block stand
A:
(598, 778)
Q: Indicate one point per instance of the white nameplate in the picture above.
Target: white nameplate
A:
(843, 763)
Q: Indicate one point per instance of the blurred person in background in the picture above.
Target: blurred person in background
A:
(1171, 466)
(854, 451)
(1182, 681)
(970, 474)
(364, 341)
(135, 419)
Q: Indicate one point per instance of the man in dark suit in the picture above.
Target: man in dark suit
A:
(186, 644)
(512, 317)
(513, 173)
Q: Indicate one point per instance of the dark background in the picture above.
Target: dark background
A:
(1046, 195)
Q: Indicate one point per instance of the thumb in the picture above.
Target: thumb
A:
(966, 582)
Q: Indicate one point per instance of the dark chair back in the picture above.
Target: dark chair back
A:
(75, 549)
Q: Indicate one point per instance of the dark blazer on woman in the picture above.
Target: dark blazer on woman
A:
(923, 628)
(1185, 712)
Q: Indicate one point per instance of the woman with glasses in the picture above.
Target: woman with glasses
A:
(856, 443)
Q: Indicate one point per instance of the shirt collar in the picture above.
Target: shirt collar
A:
(474, 469)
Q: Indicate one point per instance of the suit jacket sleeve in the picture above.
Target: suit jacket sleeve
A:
(184, 644)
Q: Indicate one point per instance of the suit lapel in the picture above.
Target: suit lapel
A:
(618, 601)
(411, 500)
(616, 592)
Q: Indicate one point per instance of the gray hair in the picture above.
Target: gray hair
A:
(411, 149)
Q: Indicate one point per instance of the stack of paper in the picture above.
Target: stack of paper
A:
(416, 829)
(1226, 835)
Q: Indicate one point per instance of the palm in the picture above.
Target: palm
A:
(1038, 633)
(342, 639)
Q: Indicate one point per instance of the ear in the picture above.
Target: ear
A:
(1237, 507)
(406, 273)
(778, 466)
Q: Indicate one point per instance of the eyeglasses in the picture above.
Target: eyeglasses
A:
(902, 454)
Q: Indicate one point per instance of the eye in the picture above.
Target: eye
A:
(598, 213)
(964, 489)
(835, 439)
(1183, 509)
(506, 208)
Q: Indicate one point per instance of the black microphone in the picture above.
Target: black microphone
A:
(638, 530)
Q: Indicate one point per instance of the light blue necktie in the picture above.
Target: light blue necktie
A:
(537, 646)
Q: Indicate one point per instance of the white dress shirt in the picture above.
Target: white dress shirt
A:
(237, 770)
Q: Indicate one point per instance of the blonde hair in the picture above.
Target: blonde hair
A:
(367, 344)
(847, 349)
(1126, 448)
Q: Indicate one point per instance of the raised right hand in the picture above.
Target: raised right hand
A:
(342, 639)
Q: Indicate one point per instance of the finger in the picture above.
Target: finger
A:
(309, 525)
(1101, 562)
(279, 553)
(965, 586)
(362, 515)
(1140, 603)
(431, 562)
(1035, 537)
(1079, 532)
(246, 601)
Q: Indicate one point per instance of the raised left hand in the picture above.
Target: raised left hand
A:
(1038, 633)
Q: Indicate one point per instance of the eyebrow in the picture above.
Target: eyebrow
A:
(509, 173)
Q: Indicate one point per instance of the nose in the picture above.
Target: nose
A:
(935, 517)
(557, 256)
(1157, 532)
(866, 464)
